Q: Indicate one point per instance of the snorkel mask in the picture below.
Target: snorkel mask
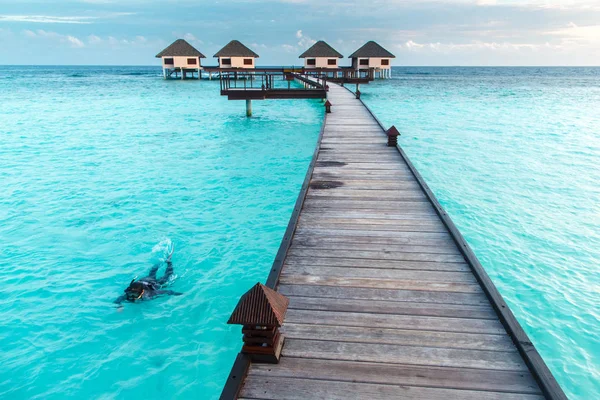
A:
(135, 291)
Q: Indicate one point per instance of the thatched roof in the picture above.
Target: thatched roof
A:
(235, 49)
(260, 306)
(372, 49)
(180, 48)
(321, 49)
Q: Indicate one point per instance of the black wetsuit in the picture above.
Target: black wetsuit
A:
(152, 285)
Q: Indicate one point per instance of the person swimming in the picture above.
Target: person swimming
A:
(149, 287)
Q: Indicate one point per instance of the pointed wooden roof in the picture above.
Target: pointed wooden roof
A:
(321, 49)
(260, 306)
(371, 49)
(235, 49)
(180, 48)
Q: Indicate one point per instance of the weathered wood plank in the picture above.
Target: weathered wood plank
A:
(397, 295)
(415, 227)
(349, 204)
(371, 233)
(292, 262)
(314, 243)
(397, 354)
(283, 388)
(391, 307)
(440, 377)
(380, 283)
(381, 273)
(378, 255)
(396, 321)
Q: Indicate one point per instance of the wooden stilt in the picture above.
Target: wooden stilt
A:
(248, 108)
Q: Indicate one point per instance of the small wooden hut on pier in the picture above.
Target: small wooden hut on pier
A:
(321, 55)
(372, 56)
(181, 57)
(236, 55)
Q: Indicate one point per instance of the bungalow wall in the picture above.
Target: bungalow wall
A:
(237, 62)
(321, 62)
(372, 62)
(181, 62)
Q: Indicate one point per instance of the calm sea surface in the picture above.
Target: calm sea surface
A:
(103, 169)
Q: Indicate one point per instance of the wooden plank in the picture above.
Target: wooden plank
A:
(371, 233)
(314, 243)
(412, 355)
(383, 273)
(391, 307)
(415, 227)
(425, 323)
(378, 255)
(279, 388)
(396, 295)
(395, 374)
(380, 283)
(292, 262)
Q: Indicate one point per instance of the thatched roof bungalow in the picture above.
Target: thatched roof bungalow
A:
(321, 55)
(180, 54)
(236, 55)
(371, 55)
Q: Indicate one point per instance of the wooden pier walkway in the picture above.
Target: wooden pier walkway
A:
(386, 299)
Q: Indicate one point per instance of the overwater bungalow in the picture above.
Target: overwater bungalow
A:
(236, 55)
(321, 55)
(372, 56)
(181, 58)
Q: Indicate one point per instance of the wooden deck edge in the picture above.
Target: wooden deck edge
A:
(532, 358)
(240, 367)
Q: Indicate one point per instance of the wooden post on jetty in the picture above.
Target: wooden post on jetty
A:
(261, 311)
(392, 135)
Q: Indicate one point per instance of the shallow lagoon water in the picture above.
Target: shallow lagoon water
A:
(513, 156)
(100, 165)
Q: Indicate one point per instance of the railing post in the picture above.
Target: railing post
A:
(261, 311)
(392, 135)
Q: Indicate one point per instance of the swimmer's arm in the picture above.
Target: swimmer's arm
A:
(120, 299)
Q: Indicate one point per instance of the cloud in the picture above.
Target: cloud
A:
(304, 41)
(54, 36)
(75, 42)
(46, 19)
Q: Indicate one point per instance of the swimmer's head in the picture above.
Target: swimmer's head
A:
(134, 291)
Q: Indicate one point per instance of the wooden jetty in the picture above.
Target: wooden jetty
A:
(386, 299)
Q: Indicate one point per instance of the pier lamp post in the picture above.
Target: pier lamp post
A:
(261, 311)
(392, 135)
(328, 107)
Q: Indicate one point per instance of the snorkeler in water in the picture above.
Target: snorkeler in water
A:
(149, 287)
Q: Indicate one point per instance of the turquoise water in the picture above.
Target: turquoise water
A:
(100, 168)
(513, 155)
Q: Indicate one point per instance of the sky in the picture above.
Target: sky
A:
(418, 32)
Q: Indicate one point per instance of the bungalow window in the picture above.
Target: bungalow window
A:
(311, 61)
(247, 61)
(332, 61)
(364, 61)
(226, 61)
(385, 62)
(192, 61)
(168, 61)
